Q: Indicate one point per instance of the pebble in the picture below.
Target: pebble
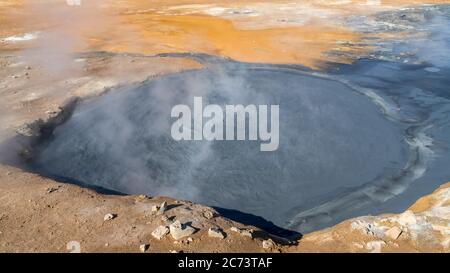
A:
(208, 214)
(268, 244)
(144, 247)
(109, 216)
(155, 209)
(216, 233)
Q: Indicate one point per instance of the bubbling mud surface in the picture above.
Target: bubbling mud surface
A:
(332, 138)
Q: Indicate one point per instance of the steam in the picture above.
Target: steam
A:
(65, 31)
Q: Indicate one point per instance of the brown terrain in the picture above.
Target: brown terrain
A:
(83, 52)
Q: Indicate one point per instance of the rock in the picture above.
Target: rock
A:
(52, 189)
(243, 231)
(407, 218)
(155, 209)
(109, 216)
(144, 247)
(375, 246)
(393, 233)
(164, 218)
(29, 129)
(160, 232)
(216, 233)
(267, 244)
(178, 230)
(162, 208)
(208, 214)
(141, 197)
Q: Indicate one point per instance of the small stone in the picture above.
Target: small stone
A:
(144, 247)
(208, 214)
(216, 233)
(162, 208)
(109, 216)
(243, 232)
(178, 230)
(375, 246)
(155, 209)
(268, 244)
(160, 232)
(188, 239)
(393, 233)
(107, 244)
(164, 218)
(141, 197)
(173, 251)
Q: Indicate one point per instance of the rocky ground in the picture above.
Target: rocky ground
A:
(41, 215)
(42, 67)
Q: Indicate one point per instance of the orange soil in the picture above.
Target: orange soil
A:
(145, 27)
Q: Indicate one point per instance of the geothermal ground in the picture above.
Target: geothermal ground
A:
(86, 153)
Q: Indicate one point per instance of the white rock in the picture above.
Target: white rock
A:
(160, 232)
(243, 231)
(178, 230)
(162, 207)
(407, 218)
(144, 247)
(375, 246)
(268, 244)
(393, 233)
(216, 233)
(155, 209)
(109, 216)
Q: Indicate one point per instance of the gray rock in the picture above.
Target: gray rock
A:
(179, 230)
(162, 208)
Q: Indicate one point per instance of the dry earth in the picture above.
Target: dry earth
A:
(50, 53)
